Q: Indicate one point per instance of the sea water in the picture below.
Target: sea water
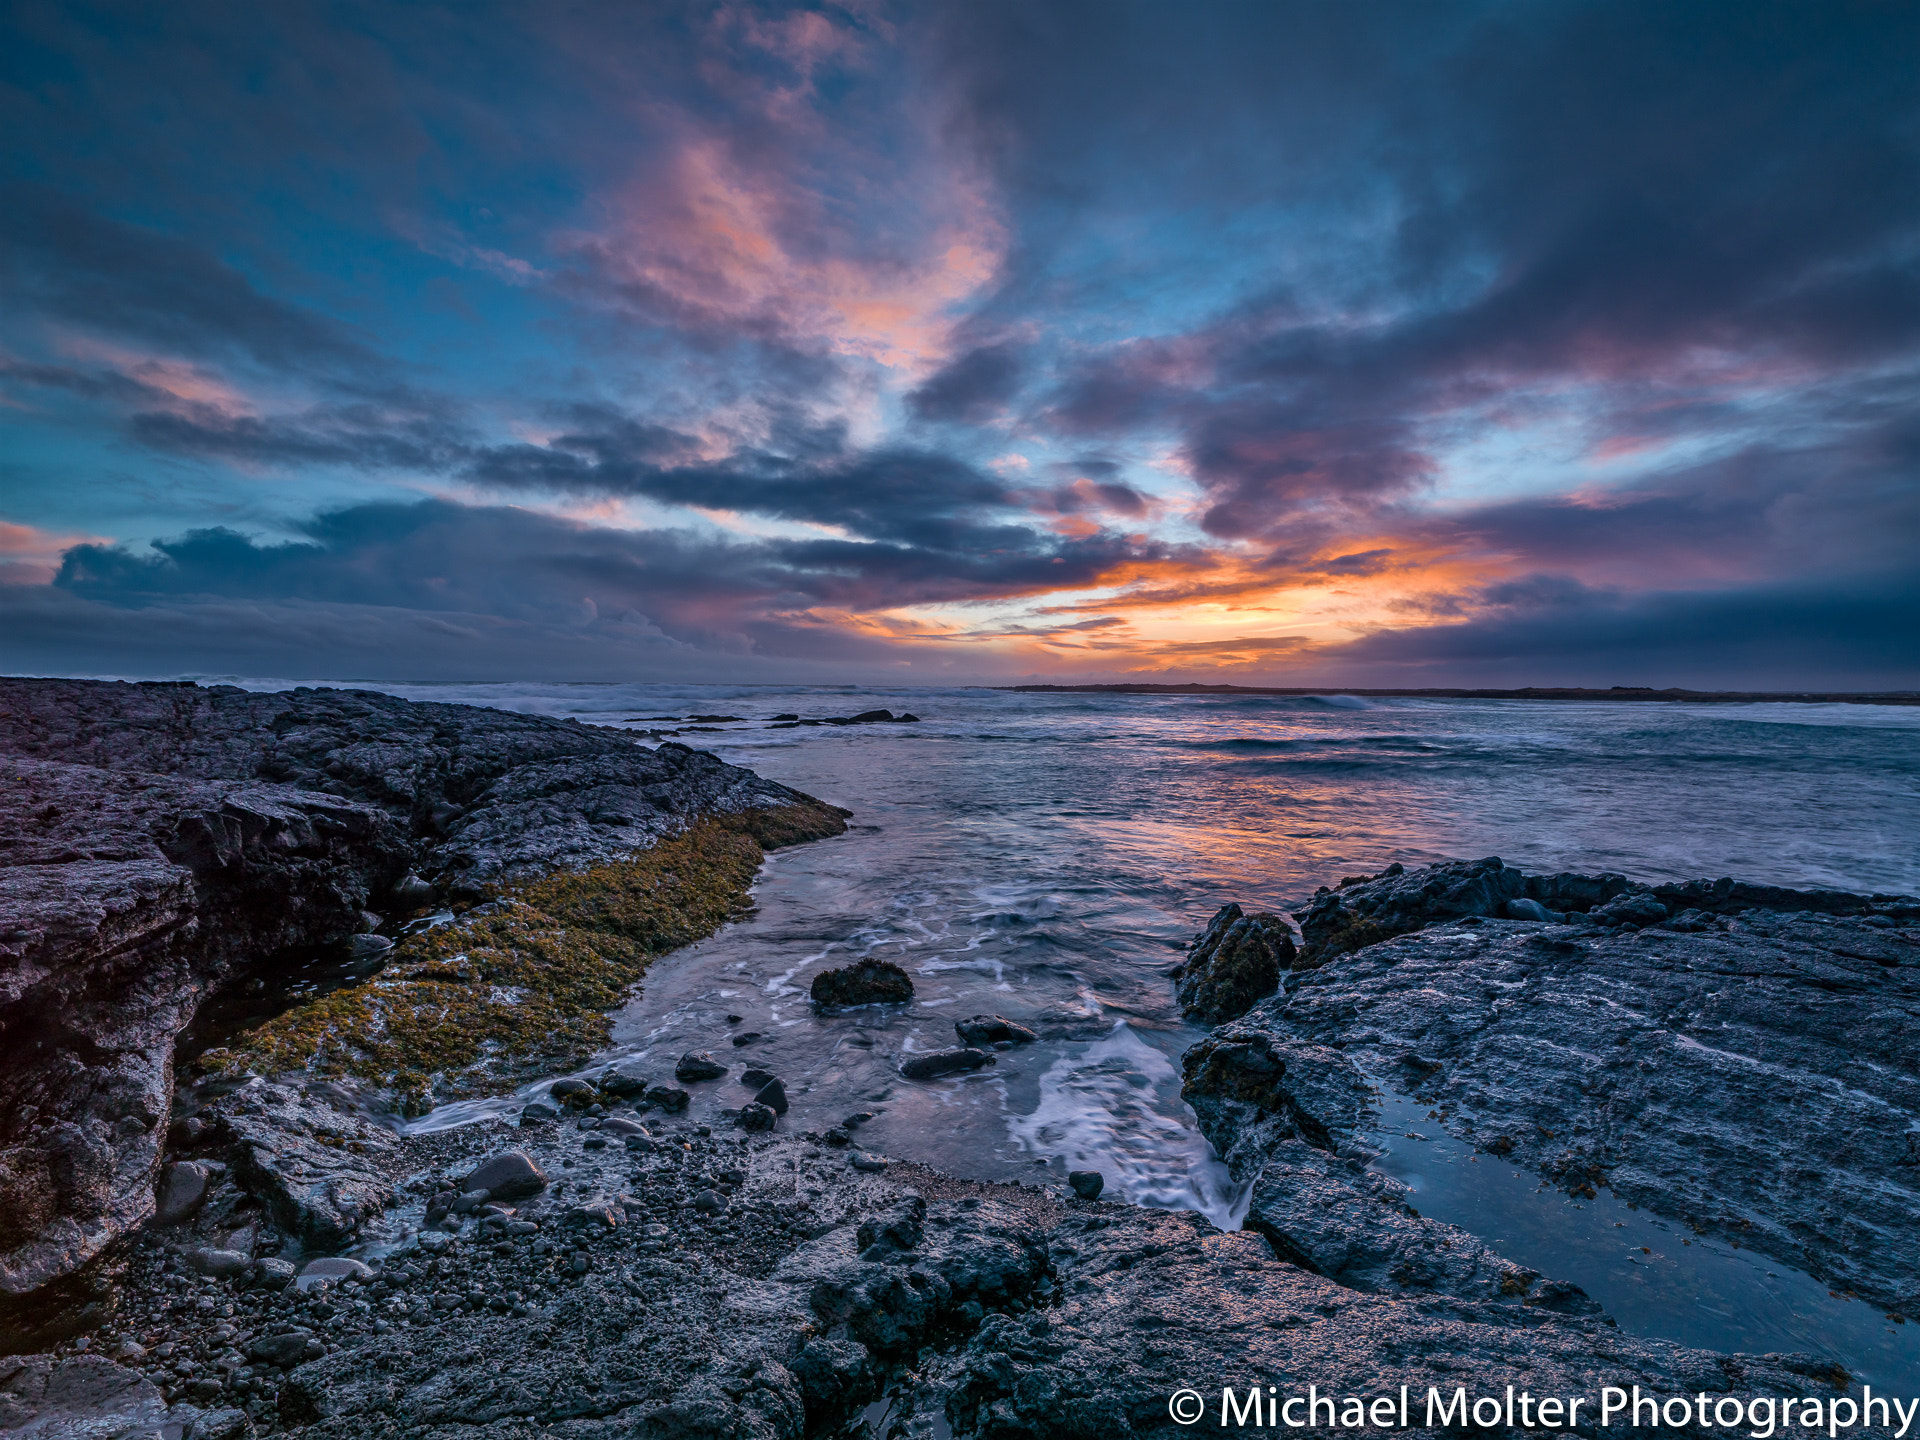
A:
(1047, 857)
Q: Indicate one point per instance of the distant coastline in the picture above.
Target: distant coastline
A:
(1535, 692)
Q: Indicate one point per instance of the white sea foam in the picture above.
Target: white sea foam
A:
(1100, 1109)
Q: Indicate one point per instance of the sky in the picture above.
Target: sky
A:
(1383, 344)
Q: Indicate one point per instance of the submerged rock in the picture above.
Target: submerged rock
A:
(697, 1065)
(982, 1030)
(870, 982)
(1237, 960)
(935, 1063)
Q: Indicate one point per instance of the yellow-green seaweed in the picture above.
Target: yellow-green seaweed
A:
(524, 988)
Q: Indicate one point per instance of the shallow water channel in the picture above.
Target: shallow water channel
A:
(1653, 1276)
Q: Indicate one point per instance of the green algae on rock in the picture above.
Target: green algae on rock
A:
(523, 984)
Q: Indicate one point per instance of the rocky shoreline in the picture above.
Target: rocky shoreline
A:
(1739, 1058)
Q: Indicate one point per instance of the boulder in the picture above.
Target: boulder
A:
(870, 982)
(935, 1063)
(1237, 960)
(183, 1189)
(510, 1175)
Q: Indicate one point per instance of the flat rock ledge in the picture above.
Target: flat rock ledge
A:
(1743, 1059)
(763, 1287)
(167, 848)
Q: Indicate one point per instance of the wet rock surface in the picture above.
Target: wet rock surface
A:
(1753, 1073)
(165, 845)
(1235, 962)
(758, 1286)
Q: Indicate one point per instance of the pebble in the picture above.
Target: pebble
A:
(773, 1095)
(220, 1264)
(861, 1160)
(336, 1267)
(756, 1116)
(755, 1077)
(746, 1037)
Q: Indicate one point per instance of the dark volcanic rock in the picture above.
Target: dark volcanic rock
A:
(1087, 1184)
(935, 1063)
(123, 900)
(1398, 901)
(1237, 960)
(697, 1065)
(978, 1030)
(1757, 1078)
(161, 844)
(511, 1175)
(703, 1299)
(1150, 1301)
(870, 982)
(319, 1170)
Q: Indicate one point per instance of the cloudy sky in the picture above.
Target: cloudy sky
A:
(1370, 343)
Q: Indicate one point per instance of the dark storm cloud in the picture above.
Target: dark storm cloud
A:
(74, 266)
(498, 561)
(1552, 628)
(973, 387)
(1587, 194)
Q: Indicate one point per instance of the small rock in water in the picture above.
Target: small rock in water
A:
(511, 1175)
(698, 1065)
(862, 1160)
(755, 1077)
(746, 1037)
(936, 1063)
(576, 1093)
(537, 1113)
(673, 1101)
(871, 982)
(735, 1019)
(980, 1030)
(755, 1116)
(773, 1095)
(1087, 1184)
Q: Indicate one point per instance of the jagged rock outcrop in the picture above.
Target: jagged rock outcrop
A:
(1237, 960)
(161, 844)
(124, 900)
(1752, 1069)
(1397, 901)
